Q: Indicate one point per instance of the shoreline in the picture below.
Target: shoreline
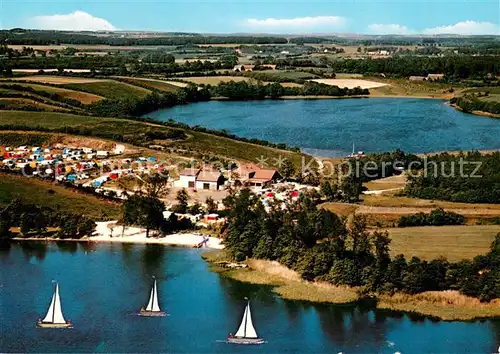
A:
(474, 113)
(445, 305)
(212, 244)
(109, 232)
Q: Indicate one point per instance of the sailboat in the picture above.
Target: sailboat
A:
(54, 317)
(246, 333)
(153, 308)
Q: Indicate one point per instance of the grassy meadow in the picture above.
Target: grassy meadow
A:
(83, 97)
(453, 242)
(57, 197)
(110, 89)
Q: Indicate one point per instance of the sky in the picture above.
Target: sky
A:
(463, 17)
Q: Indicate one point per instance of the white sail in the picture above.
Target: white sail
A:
(48, 317)
(250, 330)
(241, 330)
(153, 300)
(54, 314)
(156, 306)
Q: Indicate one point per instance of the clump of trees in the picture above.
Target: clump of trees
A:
(437, 217)
(467, 177)
(470, 103)
(33, 220)
(321, 246)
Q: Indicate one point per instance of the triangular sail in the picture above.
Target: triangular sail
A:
(50, 312)
(58, 315)
(54, 313)
(156, 306)
(153, 305)
(250, 330)
(242, 329)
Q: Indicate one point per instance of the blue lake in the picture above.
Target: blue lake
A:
(102, 286)
(329, 127)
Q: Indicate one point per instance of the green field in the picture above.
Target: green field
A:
(151, 84)
(110, 89)
(453, 242)
(281, 75)
(196, 142)
(57, 197)
(83, 97)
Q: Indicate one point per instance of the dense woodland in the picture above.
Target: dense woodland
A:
(321, 246)
(468, 178)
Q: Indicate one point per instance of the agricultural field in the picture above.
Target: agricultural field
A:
(280, 75)
(195, 143)
(51, 195)
(83, 97)
(214, 80)
(406, 88)
(58, 80)
(491, 94)
(453, 242)
(26, 103)
(110, 89)
(152, 84)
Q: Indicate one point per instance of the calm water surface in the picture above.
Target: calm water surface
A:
(103, 285)
(330, 127)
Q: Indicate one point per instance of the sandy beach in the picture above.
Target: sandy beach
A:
(350, 83)
(109, 232)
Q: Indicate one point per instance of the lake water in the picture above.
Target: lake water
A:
(330, 127)
(102, 286)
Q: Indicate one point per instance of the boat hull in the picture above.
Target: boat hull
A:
(145, 313)
(245, 341)
(53, 325)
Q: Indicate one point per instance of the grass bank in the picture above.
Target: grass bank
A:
(285, 282)
(445, 305)
(54, 196)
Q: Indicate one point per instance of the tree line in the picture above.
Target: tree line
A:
(466, 177)
(36, 37)
(35, 220)
(319, 245)
(470, 103)
(437, 217)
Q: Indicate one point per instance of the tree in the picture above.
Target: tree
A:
(25, 223)
(155, 184)
(182, 199)
(211, 205)
(143, 211)
(287, 169)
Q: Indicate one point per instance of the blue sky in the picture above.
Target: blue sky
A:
(226, 16)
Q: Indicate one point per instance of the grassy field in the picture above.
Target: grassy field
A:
(446, 305)
(110, 89)
(203, 143)
(453, 242)
(214, 80)
(55, 79)
(196, 142)
(406, 88)
(57, 197)
(83, 97)
(23, 103)
(151, 84)
(281, 75)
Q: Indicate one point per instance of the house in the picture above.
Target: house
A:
(262, 178)
(256, 176)
(209, 180)
(417, 78)
(187, 178)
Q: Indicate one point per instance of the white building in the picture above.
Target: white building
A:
(187, 178)
(209, 180)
